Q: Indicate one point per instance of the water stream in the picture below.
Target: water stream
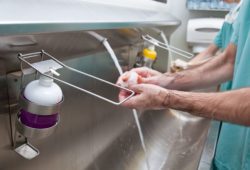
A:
(135, 114)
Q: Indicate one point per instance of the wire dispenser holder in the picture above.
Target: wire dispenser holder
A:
(162, 45)
(53, 64)
(45, 68)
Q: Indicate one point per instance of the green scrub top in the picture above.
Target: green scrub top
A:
(224, 36)
(221, 40)
(233, 148)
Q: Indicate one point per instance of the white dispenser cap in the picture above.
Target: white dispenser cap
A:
(151, 47)
(43, 92)
(45, 81)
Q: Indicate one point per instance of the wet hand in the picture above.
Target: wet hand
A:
(147, 97)
(147, 75)
(128, 79)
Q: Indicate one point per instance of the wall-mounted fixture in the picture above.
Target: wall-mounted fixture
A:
(53, 64)
(162, 45)
(41, 99)
(201, 32)
(146, 57)
(40, 105)
(169, 48)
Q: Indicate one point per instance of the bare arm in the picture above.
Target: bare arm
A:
(208, 52)
(214, 72)
(233, 106)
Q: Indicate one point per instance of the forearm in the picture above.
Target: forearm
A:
(209, 52)
(233, 106)
(214, 72)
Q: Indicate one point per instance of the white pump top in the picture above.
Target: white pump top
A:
(43, 92)
(151, 47)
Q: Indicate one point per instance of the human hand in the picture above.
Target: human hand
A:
(150, 76)
(146, 72)
(129, 78)
(145, 75)
(147, 96)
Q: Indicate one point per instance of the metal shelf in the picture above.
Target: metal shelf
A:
(209, 6)
(216, 10)
(21, 17)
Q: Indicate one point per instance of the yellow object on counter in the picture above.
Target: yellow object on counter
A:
(150, 54)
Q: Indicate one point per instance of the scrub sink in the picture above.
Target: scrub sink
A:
(174, 141)
(93, 134)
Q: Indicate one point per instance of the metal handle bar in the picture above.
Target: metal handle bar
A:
(23, 58)
(167, 47)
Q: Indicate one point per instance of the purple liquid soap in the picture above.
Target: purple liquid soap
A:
(38, 121)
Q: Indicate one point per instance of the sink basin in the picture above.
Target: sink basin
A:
(174, 140)
(96, 135)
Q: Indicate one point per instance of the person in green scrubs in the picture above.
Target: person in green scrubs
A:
(221, 41)
(233, 151)
(171, 90)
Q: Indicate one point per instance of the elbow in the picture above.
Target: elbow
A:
(230, 53)
(230, 70)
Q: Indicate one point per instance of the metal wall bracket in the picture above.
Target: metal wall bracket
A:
(27, 151)
(162, 45)
(54, 64)
(19, 142)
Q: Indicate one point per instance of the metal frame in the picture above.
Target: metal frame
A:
(162, 45)
(31, 107)
(26, 154)
(30, 132)
(23, 57)
(39, 109)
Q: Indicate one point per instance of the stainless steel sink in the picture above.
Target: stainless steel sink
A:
(174, 141)
(95, 135)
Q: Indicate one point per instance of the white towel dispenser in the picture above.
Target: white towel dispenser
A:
(202, 31)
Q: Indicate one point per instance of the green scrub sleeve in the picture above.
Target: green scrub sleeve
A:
(218, 39)
(235, 35)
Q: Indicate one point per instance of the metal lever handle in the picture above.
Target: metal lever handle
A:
(167, 47)
(23, 58)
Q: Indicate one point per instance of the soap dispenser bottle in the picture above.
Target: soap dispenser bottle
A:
(149, 56)
(42, 98)
(43, 91)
